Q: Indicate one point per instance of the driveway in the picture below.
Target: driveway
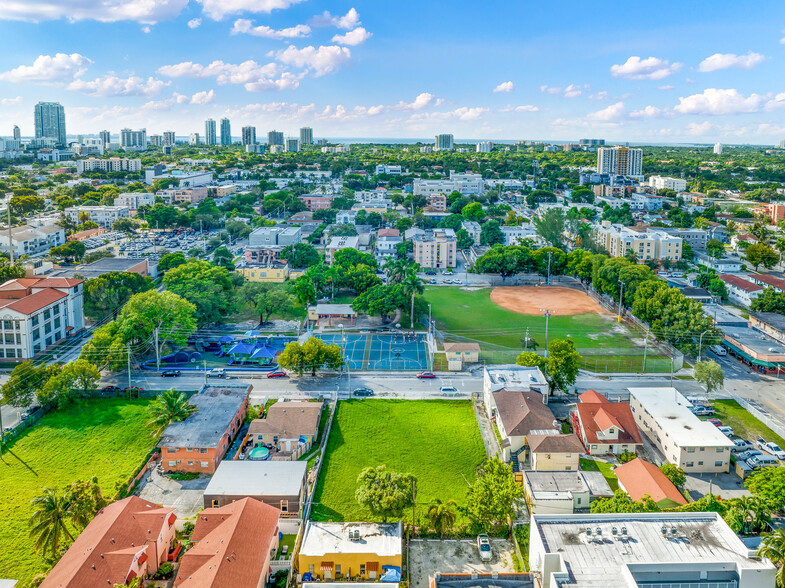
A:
(723, 485)
(429, 556)
(185, 497)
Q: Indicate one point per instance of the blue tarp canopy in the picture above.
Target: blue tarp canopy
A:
(252, 333)
(307, 577)
(263, 351)
(241, 349)
(391, 574)
(226, 339)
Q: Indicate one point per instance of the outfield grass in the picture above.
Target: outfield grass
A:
(436, 440)
(591, 465)
(745, 425)
(471, 313)
(107, 438)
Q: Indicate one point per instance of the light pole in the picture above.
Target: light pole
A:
(547, 315)
(621, 298)
(700, 343)
(429, 320)
(346, 360)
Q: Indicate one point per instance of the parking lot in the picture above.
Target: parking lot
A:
(429, 556)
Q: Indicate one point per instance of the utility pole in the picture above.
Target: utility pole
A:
(621, 298)
(548, 282)
(204, 366)
(526, 340)
(414, 503)
(10, 235)
(645, 348)
(700, 343)
(128, 346)
(547, 315)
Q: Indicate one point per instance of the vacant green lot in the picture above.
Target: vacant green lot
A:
(106, 438)
(471, 313)
(745, 425)
(592, 465)
(436, 440)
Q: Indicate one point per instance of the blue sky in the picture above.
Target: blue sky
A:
(693, 71)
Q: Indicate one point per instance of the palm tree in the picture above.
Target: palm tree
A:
(412, 285)
(170, 407)
(442, 515)
(396, 270)
(773, 548)
(48, 521)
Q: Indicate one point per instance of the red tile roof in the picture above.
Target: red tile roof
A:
(103, 553)
(389, 233)
(640, 478)
(232, 544)
(35, 302)
(57, 283)
(778, 283)
(740, 283)
(597, 414)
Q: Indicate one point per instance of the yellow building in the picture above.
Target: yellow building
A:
(276, 272)
(361, 551)
(555, 452)
(459, 354)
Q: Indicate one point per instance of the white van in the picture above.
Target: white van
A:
(719, 350)
(762, 461)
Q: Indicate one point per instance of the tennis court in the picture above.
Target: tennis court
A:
(383, 351)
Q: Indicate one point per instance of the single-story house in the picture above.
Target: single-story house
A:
(554, 452)
(604, 426)
(281, 484)
(366, 551)
(459, 354)
(331, 314)
(562, 492)
(639, 478)
(231, 546)
(287, 427)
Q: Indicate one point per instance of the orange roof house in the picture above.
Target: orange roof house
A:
(126, 539)
(639, 478)
(233, 546)
(604, 426)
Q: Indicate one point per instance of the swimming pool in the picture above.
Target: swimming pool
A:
(259, 454)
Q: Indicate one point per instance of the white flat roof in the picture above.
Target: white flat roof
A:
(701, 538)
(257, 478)
(383, 539)
(672, 412)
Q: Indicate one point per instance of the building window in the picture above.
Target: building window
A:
(47, 314)
(718, 463)
(690, 450)
(34, 320)
(700, 463)
(204, 464)
(720, 449)
(172, 464)
(7, 324)
(689, 464)
(362, 569)
(190, 463)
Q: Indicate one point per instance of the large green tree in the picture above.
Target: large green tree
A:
(385, 493)
(300, 255)
(769, 301)
(171, 406)
(761, 254)
(621, 502)
(493, 496)
(442, 515)
(208, 287)
(267, 299)
(312, 355)
(772, 547)
(170, 260)
(49, 523)
(109, 292)
(25, 383)
(710, 374)
(550, 226)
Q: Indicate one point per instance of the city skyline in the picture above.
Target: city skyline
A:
(700, 73)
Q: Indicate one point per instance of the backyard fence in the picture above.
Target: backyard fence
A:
(758, 414)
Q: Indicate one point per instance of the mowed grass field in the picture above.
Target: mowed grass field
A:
(472, 314)
(436, 440)
(107, 438)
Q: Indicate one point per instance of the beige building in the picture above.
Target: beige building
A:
(275, 271)
(436, 249)
(554, 452)
(647, 245)
(458, 354)
(696, 446)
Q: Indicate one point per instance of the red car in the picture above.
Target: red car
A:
(716, 422)
(426, 375)
(276, 374)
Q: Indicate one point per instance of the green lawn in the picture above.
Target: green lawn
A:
(286, 540)
(436, 440)
(745, 425)
(106, 438)
(591, 465)
(471, 313)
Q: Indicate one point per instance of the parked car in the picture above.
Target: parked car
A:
(719, 350)
(449, 391)
(716, 422)
(426, 375)
(725, 430)
(276, 374)
(762, 461)
(170, 374)
(110, 388)
(361, 392)
(430, 273)
(745, 455)
(216, 373)
(484, 547)
(702, 410)
(773, 449)
(433, 280)
(760, 443)
(740, 445)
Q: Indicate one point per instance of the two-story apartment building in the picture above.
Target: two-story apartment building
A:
(740, 290)
(664, 416)
(30, 240)
(103, 215)
(133, 200)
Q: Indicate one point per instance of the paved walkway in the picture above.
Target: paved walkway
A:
(185, 497)
(486, 429)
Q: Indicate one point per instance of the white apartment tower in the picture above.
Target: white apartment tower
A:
(306, 136)
(49, 118)
(444, 143)
(169, 138)
(210, 137)
(133, 139)
(484, 147)
(718, 149)
(226, 132)
(275, 138)
(106, 137)
(292, 145)
(17, 133)
(193, 139)
(620, 161)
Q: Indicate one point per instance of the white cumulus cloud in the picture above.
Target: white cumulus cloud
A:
(611, 113)
(715, 101)
(254, 76)
(324, 60)
(243, 25)
(348, 21)
(10, 101)
(143, 11)
(505, 87)
(727, 60)
(218, 9)
(354, 37)
(194, 23)
(649, 112)
(651, 68)
(47, 69)
(111, 86)
(571, 91)
(205, 97)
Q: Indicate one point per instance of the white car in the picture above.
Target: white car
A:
(773, 449)
(484, 546)
(449, 391)
(725, 430)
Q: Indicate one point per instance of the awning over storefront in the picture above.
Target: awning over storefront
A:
(754, 361)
